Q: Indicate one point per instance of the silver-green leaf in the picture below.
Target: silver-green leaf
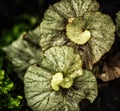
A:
(53, 26)
(118, 23)
(63, 62)
(78, 24)
(41, 97)
(61, 59)
(22, 53)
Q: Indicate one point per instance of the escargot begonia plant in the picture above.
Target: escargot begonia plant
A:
(78, 24)
(59, 83)
(24, 51)
(56, 60)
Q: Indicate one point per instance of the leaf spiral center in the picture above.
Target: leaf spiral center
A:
(75, 32)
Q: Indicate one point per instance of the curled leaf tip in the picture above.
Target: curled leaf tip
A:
(76, 73)
(75, 33)
(70, 20)
(67, 82)
(56, 81)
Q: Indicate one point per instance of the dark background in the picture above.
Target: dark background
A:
(11, 10)
(19, 12)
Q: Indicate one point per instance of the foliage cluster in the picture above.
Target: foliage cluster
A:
(25, 20)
